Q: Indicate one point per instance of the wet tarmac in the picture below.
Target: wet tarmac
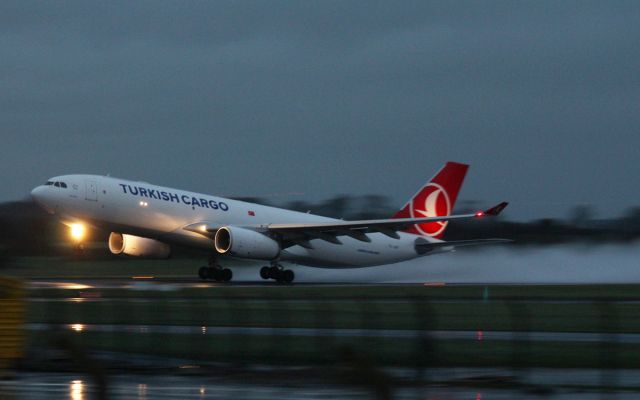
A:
(466, 385)
(150, 283)
(169, 284)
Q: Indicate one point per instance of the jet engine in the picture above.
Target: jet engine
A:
(137, 246)
(245, 243)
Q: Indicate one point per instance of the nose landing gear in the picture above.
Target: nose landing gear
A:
(277, 272)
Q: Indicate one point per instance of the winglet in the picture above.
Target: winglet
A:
(496, 210)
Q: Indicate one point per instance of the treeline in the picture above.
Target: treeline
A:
(25, 229)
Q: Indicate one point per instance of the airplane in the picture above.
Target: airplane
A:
(145, 220)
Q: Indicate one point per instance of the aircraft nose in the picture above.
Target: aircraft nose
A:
(39, 196)
(36, 193)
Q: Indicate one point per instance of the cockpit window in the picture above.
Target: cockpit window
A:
(57, 184)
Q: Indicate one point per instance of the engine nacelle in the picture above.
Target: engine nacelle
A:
(138, 246)
(245, 243)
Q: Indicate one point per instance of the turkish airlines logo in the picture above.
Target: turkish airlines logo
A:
(432, 201)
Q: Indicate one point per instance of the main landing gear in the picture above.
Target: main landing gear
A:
(215, 272)
(277, 272)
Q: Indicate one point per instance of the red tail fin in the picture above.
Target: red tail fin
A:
(435, 199)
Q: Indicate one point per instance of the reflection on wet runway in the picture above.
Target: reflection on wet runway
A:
(171, 284)
(76, 390)
(45, 386)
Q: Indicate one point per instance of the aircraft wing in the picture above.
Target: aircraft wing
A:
(301, 233)
(329, 231)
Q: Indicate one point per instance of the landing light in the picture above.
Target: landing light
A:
(480, 214)
(77, 231)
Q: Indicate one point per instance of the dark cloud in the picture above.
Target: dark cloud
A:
(246, 98)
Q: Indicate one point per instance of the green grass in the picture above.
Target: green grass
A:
(353, 314)
(113, 267)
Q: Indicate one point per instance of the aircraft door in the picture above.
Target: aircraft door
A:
(92, 190)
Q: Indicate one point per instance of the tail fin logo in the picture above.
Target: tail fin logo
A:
(432, 201)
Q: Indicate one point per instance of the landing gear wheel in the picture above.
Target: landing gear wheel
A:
(277, 273)
(217, 274)
(287, 275)
(226, 275)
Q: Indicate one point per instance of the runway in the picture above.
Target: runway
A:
(164, 283)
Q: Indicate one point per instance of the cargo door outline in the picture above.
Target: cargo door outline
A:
(92, 190)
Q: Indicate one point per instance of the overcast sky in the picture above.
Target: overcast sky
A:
(323, 98)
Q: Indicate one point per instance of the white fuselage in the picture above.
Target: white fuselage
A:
(161, 213)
